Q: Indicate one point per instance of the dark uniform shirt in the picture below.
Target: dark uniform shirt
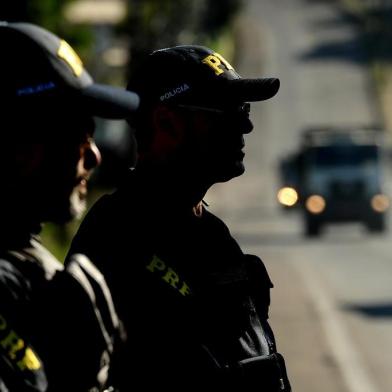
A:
(194, 306)
(21, 369)
(52, 337)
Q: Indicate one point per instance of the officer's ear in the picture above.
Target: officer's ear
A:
(168, 130)
(19, 165)
(28, 159)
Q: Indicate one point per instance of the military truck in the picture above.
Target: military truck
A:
(340, 178)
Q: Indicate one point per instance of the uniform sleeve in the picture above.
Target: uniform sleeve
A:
(13, 287)
(21, 368)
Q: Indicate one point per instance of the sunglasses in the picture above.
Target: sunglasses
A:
(242, 110)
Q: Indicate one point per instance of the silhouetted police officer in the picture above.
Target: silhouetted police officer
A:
(57, 327)
(194, 305)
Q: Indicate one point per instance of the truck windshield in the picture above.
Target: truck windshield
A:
(343, 155)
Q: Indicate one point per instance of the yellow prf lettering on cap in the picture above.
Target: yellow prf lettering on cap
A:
(66, 53)
(29, 361)
(214, 61)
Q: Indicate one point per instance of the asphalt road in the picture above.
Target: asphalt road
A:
(332, 301)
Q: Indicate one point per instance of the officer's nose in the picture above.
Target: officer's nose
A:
(92, 155)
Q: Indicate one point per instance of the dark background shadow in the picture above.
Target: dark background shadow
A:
(371, 41)
(371, 310)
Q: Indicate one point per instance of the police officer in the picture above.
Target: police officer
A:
(195, 307)
(57, 327)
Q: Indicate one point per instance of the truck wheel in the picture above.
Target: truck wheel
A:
(312, 227)
(376, 224)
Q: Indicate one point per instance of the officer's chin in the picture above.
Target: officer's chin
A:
(235, 170)
(72, 209)
(77, 205)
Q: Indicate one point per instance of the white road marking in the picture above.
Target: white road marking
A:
(347, 357)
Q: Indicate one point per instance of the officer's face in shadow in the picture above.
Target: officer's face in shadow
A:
(207, 141)
(69, 164)
(48, 176)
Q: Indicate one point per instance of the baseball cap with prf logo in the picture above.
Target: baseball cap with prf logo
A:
(192, 74)
(36, 65)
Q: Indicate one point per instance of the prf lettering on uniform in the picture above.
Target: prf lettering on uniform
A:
(214, 61)
(168, 275)
(15, 348)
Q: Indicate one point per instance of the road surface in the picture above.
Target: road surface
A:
(332, 301)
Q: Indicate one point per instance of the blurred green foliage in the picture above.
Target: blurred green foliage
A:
(154, 24)
(48, 14)
(150, 24)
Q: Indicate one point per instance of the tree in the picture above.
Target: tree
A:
(48, 14)
(154, 24)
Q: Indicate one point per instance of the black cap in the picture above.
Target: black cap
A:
(196, 74)
(36, 64)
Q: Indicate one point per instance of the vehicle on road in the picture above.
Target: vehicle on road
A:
(339, 178)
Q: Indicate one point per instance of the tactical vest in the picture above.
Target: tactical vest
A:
(75, 325)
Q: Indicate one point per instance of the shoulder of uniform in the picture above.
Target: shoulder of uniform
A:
(213, 219)
(219, 229)
(7, 267)
(13, 283)
(104, 208)
(81, 262)
(101, 222)
(257, 270)
(94, 284)
(38, 255)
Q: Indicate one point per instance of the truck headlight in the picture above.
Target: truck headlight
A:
(315, 204)
(287, 196)
(380, 203)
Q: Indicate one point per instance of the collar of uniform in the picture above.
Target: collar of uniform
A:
(15, 235)
(161, 190)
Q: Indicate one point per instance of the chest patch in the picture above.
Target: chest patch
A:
(168, 275)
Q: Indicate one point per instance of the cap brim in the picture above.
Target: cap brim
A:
(252, 90)
(109, 102)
